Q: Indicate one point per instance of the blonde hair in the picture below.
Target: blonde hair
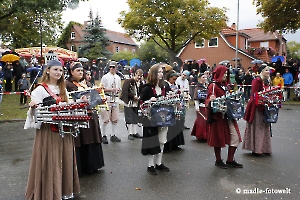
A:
(60, 83)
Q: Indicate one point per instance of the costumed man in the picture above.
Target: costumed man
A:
(112, 86)
(130, 96)
(221, 130)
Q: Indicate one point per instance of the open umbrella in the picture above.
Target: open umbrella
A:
(123, 62)
(201, 60)
(188, 60)
(233, 59)
(256, 61)
(83, 59)
(135, 61)
(10, 58)
(274, 58)
(224, 62)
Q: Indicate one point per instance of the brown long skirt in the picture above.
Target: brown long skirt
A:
(53, 173)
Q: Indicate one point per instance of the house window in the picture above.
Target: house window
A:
(125, 49)
(117, 49)
(199, 45)
(72, 35)
(133, 50)
(246, 44)
(213, 42)
(264, 44)
(72, 47)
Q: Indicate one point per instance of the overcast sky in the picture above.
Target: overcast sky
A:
(109, 11)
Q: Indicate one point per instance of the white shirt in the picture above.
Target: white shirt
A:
(110, 81)
(183, 84)
(37, 95)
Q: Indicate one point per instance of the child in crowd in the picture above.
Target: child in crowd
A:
(23, 85)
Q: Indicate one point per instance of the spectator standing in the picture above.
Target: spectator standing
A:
(278, 80)
(247, 81)
(288, 81)
(195, 66)
(23, 84)
(203, 67)
(239, 78)
(17, 73)
(8, 77)
(33, 71)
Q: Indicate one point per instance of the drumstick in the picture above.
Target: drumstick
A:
(202, 115)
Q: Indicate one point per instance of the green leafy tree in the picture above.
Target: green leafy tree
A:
(23, 32)
(126, 55)
(94, 34)
(11, 7)
(283, 15)
(293, 49)
(172, 24)
(149, 49)
(95, 52)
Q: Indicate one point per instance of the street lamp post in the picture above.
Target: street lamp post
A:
(237, 34)
(39, 23)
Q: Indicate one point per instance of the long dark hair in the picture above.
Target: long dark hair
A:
(152, 75)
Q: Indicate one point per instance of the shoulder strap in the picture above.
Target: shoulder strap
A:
(57, 98)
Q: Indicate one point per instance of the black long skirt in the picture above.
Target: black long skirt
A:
(175, 136)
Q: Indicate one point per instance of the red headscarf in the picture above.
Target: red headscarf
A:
(218, 75)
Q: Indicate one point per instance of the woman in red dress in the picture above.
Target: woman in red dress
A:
(200, 93)
(221, 130)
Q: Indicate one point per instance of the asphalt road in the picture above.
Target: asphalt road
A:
(192, 176)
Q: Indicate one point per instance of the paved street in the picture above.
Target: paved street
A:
(193, 175)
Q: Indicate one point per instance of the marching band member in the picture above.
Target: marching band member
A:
(112, 86)
(200, 93)
(257, 136)
(89, 154)
(183, 85)
(53, 173)
(130, 95)
(175, 136)
(221, 131)
(154, 138)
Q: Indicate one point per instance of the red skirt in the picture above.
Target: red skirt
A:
(199, 128)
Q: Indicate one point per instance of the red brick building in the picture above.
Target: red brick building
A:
(252, 44)
(118, 41)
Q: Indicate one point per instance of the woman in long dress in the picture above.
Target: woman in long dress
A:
(200, 93)
(175, 137)
(221, 129)
(257, 136)
(53, 173)
(89, 154)
(154, 138)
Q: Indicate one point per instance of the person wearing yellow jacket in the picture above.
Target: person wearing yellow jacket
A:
(278, 80)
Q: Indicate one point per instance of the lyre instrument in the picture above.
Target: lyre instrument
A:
(271, 96)
(64, 115)
(219, 104)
